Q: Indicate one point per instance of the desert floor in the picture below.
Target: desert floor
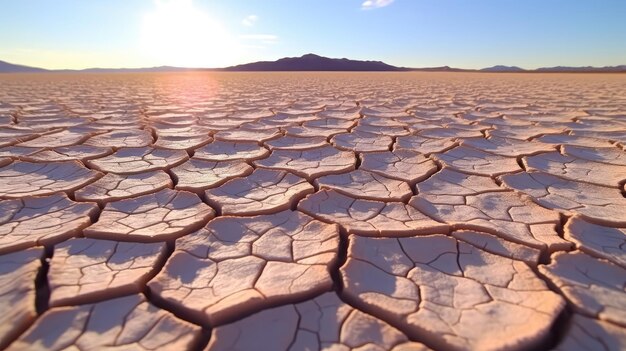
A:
(344, 211)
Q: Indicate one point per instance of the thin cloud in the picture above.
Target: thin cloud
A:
(375, 4)
(250, 20)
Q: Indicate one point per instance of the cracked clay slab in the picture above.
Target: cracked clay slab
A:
(496, 245)
(113, 187)
(197, 175)
(367, 186)
(161, 216)
(122, 138)
(18, 272)
(68, 153)
(310, 163)
(598, 241)
(596, 203)
(588, 334)
(41, 220)
(228, 151)
(474, 202)
(575, 169)
(128, 322)
(264, 191)
(322, 323)
(61, 138)
(474, 161)
(237, 265)
(296, 143)
(508, 147)
(594, 287)
(253, 135)
(449, 293)
(20, 179)
(612, 156)
(139, 160)
(188, 143)
(362, 142)
(85, 270)
(424, 145)
(369, 218)
(405, 165)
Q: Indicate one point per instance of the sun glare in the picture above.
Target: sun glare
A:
(180, 34)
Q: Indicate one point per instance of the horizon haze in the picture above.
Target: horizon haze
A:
(315, 63)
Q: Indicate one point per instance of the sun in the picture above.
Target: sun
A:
(179, 34)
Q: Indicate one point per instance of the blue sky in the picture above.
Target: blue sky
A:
(212, 33)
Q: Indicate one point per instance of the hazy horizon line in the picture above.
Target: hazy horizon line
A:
(237, 64)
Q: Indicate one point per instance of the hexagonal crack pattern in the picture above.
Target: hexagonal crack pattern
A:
(388, 211)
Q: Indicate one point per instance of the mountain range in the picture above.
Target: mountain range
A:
(312, 62)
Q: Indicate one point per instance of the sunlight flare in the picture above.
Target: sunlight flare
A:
(179, 33)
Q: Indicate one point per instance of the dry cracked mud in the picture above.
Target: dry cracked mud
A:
(596, 240)
(475, 202)
(22, 179)
(126, 322)
(113, 187)
(593, 286)
(475, 161)
(367, 217)
(42, 220)
(575, 169)
(139, 160)
(198, 175)
(597, 203)
(325, 323)
(237, 264)
(317, 211)
(262, 192)
(18, 272)
(310, 163)
(405, 165)
(449, 293)
(87, 270)
(366, 185)
(160, 216)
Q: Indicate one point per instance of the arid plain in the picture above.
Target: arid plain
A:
(306, 211)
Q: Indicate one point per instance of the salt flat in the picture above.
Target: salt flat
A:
(306, 211)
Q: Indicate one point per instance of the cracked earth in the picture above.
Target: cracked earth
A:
(215, 211)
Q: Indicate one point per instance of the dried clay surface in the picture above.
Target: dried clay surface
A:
(41, 220)
(323, 323)
(358, 211)
(164, 215)
(18, 272)
(127, 322)
(450, 293)
(238, 264)
(85, 270)
(262, 192)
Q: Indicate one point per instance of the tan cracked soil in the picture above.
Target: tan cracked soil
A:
(405, 211)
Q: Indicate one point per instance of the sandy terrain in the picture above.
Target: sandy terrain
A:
(344, 211)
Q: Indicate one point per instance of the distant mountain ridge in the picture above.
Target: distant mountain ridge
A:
(501, 68)
(6, 67)
(312, 62)
(620, 68)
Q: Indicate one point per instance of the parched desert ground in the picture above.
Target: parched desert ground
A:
(306, 211)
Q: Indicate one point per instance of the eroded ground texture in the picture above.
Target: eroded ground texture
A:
(404, 211)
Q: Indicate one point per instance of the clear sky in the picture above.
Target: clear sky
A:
(217, 33)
